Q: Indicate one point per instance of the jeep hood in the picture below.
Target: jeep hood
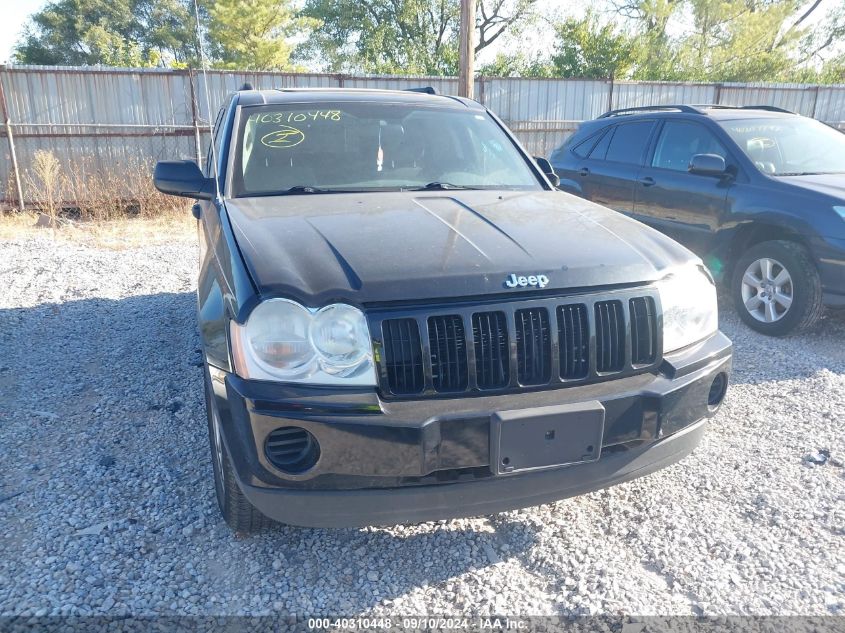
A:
(413, 246)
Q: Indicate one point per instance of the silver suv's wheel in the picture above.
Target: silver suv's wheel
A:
(776, 288)
(767, 290)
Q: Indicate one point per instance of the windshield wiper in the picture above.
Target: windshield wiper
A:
(303, 189)
(808, 173)
(441, 186)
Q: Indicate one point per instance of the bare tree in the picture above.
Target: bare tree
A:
(494, 17)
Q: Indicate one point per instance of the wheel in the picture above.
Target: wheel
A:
(237, 511)
(776, 288)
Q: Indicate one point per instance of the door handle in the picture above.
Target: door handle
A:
(647, 181)
(583, 172)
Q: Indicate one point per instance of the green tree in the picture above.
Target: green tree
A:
(740, 41)
(731, 40)
(254, 34)
(110, 32)
(649, 21)
(402, 36)
(517, 65)
(586, 48)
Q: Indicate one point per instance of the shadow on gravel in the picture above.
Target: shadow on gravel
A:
(102, 401)
(54, 353)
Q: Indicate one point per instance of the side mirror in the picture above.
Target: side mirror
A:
(182, 178)
(707, 165)
(546, 167)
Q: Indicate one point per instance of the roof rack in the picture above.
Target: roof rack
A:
(698, 108)
(722, 106)
(425, 89)
(680, 108)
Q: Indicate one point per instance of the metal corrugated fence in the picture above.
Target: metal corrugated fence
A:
(120, 120)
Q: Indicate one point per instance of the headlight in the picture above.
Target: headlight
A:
(690, 314)
(285, 341)
(341, 338)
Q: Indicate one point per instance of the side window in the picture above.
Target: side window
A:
(582, 150)
(600, 150)
(681, 140)
(629, 142)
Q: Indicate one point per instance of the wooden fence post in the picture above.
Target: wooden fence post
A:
(12, 154)
(197, 139)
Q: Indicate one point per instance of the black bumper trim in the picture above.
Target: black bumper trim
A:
(356, 508)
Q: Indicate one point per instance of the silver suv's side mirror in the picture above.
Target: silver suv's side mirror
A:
(707, 165)
(546, 167)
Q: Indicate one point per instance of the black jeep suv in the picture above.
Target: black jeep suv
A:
(758, 192)
(403, 320)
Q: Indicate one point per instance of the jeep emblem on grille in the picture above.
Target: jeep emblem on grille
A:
(539, 281)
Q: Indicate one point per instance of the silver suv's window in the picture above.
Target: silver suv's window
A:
(372, 147)
(679, 141)
(789, 145)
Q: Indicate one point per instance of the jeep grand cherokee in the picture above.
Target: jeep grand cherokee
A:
(402, 320)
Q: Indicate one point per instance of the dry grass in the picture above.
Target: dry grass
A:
(125, 232)
(81, 190)
(119, 208)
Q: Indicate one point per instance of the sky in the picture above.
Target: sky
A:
(16, 12)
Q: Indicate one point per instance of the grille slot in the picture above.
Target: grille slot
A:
(533, 346)
(610, 336)
(292, 449)
(643, 330)
(403, 356)
(574, 338)
(492, 357)
(448, 353)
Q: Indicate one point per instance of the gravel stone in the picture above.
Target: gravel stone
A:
(100, 350)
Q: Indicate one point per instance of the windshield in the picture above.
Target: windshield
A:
(316, 148)
(790, 146)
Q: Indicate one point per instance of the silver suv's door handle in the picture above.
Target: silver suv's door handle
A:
(646, 181)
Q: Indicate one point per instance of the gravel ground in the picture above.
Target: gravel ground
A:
(107, 504)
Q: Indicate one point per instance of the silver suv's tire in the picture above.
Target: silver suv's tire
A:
(238, 512)
(776, 288)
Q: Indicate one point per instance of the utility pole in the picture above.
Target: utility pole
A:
(467, 52)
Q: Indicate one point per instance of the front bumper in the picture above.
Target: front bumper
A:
(387, 462)
(830, 258)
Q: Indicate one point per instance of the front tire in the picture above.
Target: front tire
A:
(776, 288)
(237, 511)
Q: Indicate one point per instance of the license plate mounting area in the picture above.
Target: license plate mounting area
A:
(546, 437)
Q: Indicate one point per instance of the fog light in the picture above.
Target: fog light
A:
(292, 449)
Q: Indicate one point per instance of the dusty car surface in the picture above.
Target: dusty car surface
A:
(402, 320)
